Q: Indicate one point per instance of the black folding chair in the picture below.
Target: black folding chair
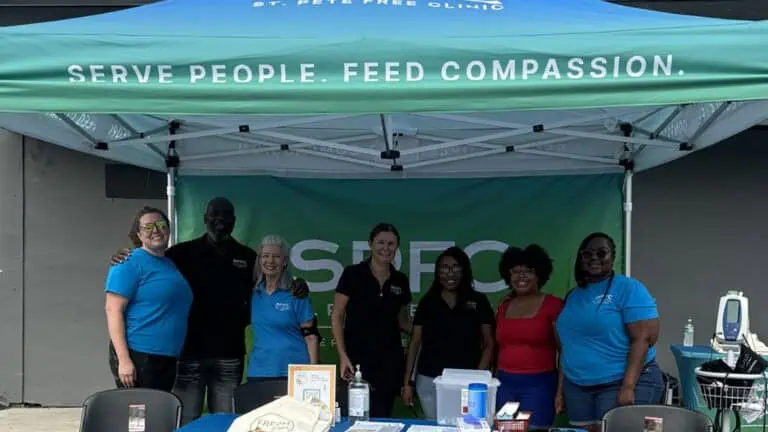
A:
(121, 410)
(254, 394)
(631, 418)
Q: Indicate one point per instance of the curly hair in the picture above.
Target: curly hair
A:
(133, 234)
(533, 256)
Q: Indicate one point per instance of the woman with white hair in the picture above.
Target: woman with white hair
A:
(283, 331)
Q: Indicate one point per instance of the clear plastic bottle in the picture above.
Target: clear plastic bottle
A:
(688, 333)
(359, 398)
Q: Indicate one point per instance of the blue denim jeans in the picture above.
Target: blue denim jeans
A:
(588, 405)
(215, 378)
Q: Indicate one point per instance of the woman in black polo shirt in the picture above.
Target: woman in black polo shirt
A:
(370, 310)
(453, 328)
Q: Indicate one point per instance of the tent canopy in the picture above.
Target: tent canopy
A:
(385, 88)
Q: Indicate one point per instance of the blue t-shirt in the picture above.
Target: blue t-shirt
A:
(595, 342)
(159, 299)
(277, 340)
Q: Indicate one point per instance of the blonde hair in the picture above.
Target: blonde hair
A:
(284, 283)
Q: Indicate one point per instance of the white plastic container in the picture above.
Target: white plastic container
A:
(452, 393)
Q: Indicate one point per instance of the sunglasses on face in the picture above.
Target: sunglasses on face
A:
(148, 228)
(450, 268)
(599, 253)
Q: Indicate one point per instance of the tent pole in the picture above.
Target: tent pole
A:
(628, 174)
(172, 164)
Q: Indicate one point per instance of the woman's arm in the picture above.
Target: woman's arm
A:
(413, 351)
(404, 319)
(313, 346)
(642, 335)
(338, 314)
(489, 347)
(558, 362)
(115, 310)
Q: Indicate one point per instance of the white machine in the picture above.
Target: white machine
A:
(732, 328)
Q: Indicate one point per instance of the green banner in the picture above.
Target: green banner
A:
(327, 223)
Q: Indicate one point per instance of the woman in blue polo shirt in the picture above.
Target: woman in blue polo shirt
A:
(281, 323)
(607, 331)
(147, 306)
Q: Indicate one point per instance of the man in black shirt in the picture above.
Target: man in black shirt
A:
(220, 272)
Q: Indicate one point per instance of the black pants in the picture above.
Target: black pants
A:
(152, 371)
(208, 378)
(383, 397)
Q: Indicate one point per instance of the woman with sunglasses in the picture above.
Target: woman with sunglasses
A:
(452, 328)
(525, 335)
(147, 306)
(607, 330)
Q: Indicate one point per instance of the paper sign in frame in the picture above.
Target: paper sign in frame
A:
(293, 369)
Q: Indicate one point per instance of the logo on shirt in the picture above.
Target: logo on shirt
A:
(604, 299)
(396, 290)
(282, 307)
(471, 305)
(239, 263)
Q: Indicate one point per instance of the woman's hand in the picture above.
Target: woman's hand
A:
(559, 403)
(126, 371)
(626, 396)
(407, 394)
(347, 370)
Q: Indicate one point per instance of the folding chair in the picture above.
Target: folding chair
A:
(632, 418)
(121, 410)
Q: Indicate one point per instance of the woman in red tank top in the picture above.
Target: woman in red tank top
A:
(525, 336)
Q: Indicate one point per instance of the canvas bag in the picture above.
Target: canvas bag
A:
(284, 415)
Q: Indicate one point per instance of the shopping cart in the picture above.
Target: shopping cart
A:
(727, 393)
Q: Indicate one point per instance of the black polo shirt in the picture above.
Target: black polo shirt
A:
(451, 338)
(222, 283)
(372, 330)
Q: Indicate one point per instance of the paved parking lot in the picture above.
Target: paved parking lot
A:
(40, 420)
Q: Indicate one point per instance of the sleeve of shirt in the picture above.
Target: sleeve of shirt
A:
(485, 310)
(304, 310)
(422, 312)
(638, 304)
(346, 281)
(123, 279)
(557, 306)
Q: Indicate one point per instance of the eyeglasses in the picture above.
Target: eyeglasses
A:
(450, 268)
(161, 225)
(599, 253)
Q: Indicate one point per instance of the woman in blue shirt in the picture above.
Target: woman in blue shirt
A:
(147, 305)
(281, 323)
(607, 331)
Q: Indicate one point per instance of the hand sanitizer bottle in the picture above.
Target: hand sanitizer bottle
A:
(359, 398)
(688, 334)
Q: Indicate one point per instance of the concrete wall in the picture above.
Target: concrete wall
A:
(69, 231)
(699, 230)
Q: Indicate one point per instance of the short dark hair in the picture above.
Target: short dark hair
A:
(578, 270)
(384, 227)
(533, 256)
(133, 234)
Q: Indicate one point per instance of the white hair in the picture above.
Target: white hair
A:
(284, 283)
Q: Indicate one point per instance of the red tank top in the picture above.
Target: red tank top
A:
(527, 345)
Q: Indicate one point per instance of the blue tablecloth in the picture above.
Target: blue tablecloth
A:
(222, 422)
(688, 359)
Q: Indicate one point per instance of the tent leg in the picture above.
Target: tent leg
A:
(628, 222)
(170, 193)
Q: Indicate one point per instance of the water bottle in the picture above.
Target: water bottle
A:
(688, 334)
(359, 398)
